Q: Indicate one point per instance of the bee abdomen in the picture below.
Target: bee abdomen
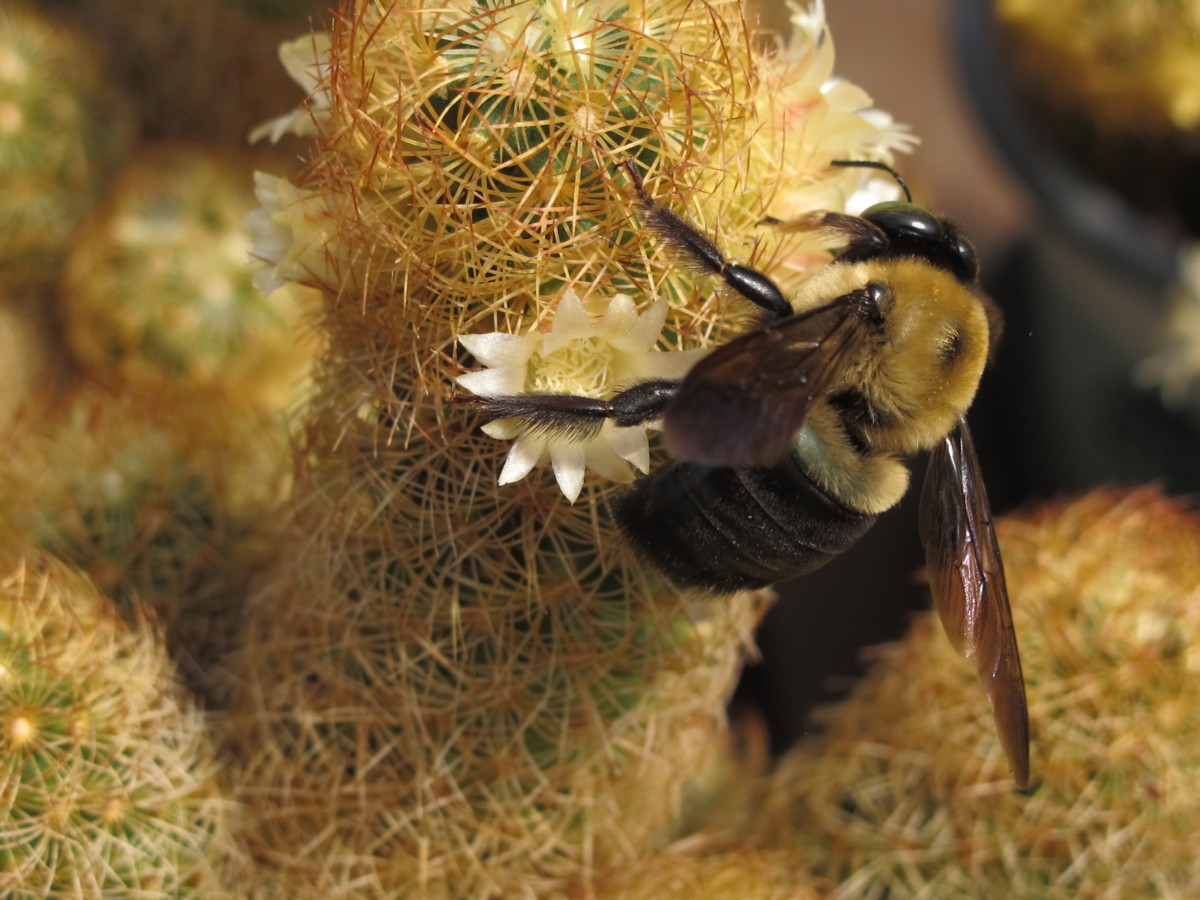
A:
(727, 530)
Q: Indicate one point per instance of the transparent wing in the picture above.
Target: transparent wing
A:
(966, 575)
(743, 404)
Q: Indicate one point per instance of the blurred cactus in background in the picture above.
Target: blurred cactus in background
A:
(26, 359)
(1115, 85)
(107, 773)
(62, 130)
(157, 289)
(158, 495)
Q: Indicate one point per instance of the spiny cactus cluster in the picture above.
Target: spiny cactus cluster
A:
(906, 794)
(451, 680)
(107, 771)
(454, 687)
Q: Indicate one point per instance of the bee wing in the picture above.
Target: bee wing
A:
(743, 404)
(966, 576)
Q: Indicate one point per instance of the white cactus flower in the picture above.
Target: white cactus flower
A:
(591, 350)
(306, 60)
(290, 232)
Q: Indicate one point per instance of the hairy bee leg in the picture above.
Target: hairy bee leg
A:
(568, 414)
(696, 247)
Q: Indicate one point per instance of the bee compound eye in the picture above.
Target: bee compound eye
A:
(968, 259)
(913, 231)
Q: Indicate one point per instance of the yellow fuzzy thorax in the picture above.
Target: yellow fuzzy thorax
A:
(917, 394)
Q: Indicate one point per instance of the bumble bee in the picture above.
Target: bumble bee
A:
(791, 438)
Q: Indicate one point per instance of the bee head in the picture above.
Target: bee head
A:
(913, 231)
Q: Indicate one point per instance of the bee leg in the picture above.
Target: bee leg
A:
(568, 415)
(697, 248)
(858, 238)
(643, 402)
(561, 415)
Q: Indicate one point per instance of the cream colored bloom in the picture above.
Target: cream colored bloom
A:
(591, 350)
(306, 60)
(291, 232)
(818, 117)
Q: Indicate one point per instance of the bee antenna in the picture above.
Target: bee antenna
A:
(875, 164)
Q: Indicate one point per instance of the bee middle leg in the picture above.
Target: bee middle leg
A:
(569, 415)
(699, 249)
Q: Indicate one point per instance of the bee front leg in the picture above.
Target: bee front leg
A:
(857, 238)
(698, 249)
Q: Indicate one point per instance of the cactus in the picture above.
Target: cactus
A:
(1131, 68)
(26, 359)
(738, 873)
(108, 775)
(157, 288)
(158, 495)
(61, 130)
(457, 688)
(906, 793)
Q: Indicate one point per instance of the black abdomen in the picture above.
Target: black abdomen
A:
(728, 530)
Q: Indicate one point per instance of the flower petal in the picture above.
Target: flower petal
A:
(524, 455)
(502, 429)
(568, 461)
(600, 458)
(494, 382)
(631, 445)
(571, 321)
(643, 333)
(498, 348)
(669, 364)
(298, 122)
(306, 59)
(620, 315)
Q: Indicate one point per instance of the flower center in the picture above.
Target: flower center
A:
(583, 366)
